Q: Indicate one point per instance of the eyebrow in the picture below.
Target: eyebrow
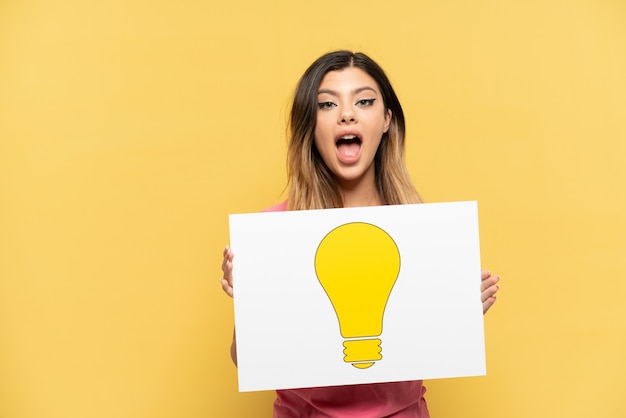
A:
(355, 91)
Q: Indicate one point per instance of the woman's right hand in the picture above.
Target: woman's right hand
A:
(227, 285)
(227, 268)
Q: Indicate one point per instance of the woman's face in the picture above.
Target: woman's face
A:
(351, 120)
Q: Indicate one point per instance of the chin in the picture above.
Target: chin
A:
(350, 176)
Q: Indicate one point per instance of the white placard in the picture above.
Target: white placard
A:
(289, 326)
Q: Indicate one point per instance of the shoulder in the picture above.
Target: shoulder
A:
(281, 207)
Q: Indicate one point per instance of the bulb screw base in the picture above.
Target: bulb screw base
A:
(362, 353)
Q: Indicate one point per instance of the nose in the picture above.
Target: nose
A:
(347, 115)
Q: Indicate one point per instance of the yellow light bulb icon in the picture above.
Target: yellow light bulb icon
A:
(357, 264)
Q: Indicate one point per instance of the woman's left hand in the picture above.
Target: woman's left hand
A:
(488, 289)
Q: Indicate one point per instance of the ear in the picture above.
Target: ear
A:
(387, 120)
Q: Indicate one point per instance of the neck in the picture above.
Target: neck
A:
(359, 194)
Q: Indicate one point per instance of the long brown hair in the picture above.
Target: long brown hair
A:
(311, 184)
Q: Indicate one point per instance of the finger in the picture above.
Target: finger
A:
(489, 292)
(227, 287)
(488, 282)
(228, 272)
(225, 257)
(488, 304)
(228, 256)
(484, 274)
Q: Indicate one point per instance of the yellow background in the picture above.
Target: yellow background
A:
(130, 129)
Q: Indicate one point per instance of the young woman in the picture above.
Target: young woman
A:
(346, 149)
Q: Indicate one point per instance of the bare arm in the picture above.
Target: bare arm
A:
(233, 349)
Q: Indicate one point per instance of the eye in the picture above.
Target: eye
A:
(326, 105)
(365, 102)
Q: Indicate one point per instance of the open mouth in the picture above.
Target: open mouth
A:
(348, 140)
(348, 148)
